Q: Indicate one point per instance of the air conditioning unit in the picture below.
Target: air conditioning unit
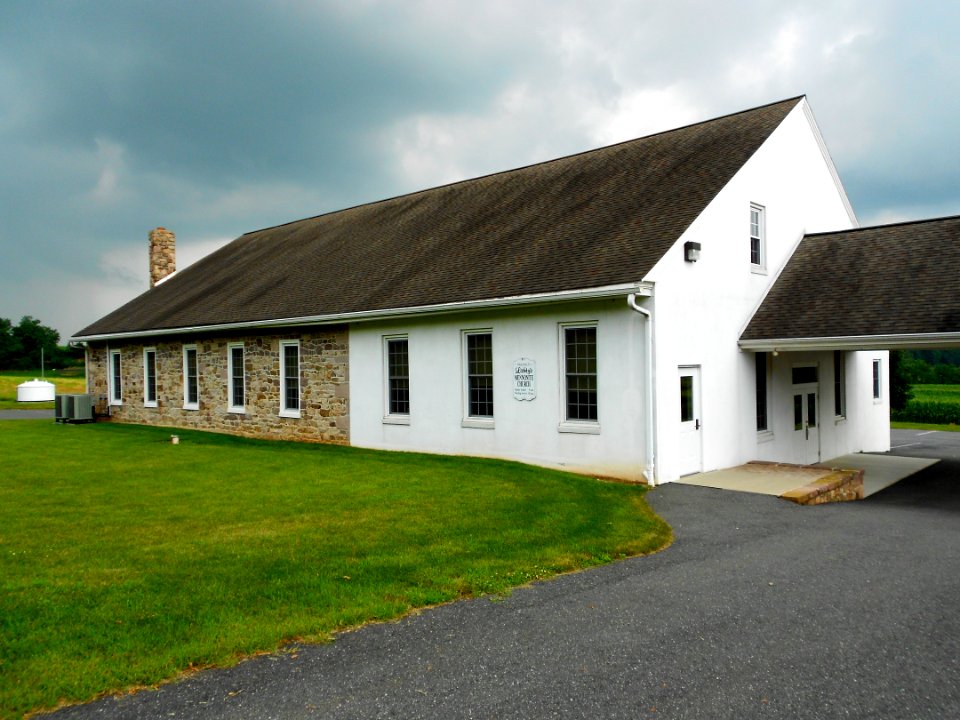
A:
(73, 408)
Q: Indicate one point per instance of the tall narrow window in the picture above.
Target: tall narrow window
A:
(761, 362)
(479, 357)
(876, 379)
(150, 377)
(116, 384)
(191, 379)
(757, 238)
(839, 383)
(290, 378)
(580, 361)
(398, 376)
(237, 383)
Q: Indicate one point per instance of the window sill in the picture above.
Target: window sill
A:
(758, 270)
(237, 410)
(396, 419)
(191, 407)
(764, 436)
(150, 405)
(292, 414)
(583, 428)
(481, 423)
(116, 403)
(839, 419)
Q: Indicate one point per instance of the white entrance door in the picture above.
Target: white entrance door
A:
(691, 446)
(806, 416)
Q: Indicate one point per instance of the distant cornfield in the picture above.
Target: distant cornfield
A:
(937, 404)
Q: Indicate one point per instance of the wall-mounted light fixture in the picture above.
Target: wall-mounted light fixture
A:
(691, 251)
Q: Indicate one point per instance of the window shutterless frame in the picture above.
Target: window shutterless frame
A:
(579, 378)
(191, 378)
(290, 378)
(758, 238)
(762, 374)
(396, 375)
(150, 377)
(115, 378)
(236, 379)
(877, 380)
(839, 384)
(478, 378)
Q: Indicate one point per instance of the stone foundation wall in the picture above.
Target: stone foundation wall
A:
(324, 385)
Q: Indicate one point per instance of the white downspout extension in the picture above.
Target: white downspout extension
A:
(648, 405)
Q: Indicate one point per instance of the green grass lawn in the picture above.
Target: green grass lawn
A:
(125, 560)
(64, 381)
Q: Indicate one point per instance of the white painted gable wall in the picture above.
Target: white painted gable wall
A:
(699, 308)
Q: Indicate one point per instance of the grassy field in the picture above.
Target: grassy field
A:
(933, 406)
(65, 381)
(125, 560)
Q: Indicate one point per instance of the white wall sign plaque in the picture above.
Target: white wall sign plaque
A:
(524, 379)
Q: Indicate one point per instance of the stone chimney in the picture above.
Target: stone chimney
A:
(163, 254)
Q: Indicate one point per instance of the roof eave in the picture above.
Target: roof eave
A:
(907, 341)
(639, 288)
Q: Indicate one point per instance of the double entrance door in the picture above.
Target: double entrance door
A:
(806, 415)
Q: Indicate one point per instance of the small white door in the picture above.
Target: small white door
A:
(805, 406)
(691, 445)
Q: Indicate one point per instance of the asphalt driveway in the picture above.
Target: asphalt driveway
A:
(761, 608)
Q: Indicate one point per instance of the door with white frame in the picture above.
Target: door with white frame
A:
(691, 443)
(805, 406)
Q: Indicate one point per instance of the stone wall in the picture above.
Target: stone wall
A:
(324, 394)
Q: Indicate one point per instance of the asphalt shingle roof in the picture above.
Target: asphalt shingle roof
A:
(886, 280)
(598, 218)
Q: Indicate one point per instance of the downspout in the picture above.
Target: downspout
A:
(651, 470)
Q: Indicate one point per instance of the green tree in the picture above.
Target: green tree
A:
(900, 392)
(35, 341)
(9, 345)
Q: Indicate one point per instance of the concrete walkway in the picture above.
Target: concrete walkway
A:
(880, 471)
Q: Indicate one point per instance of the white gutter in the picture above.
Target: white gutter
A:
(643, 289)
(648, 405)
(905, 341)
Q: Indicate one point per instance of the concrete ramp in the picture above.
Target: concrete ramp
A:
(879, 471)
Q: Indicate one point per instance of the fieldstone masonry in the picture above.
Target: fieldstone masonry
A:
(324, 385)
(163, 254)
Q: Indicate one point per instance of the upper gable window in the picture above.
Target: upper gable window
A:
(758, 239)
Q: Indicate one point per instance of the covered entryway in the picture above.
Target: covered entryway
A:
(891, 287)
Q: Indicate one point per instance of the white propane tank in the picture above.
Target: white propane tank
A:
(35, 391)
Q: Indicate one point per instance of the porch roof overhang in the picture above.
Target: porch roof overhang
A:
(908, 341)
(889, 287)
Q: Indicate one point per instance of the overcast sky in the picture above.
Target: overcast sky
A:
(216, 118)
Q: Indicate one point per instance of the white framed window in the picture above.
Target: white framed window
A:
(839, 384)
(877, 380)
(578, 358)
(396, 373)
(115, 378)
(478, 378)
(758, 238)
(236, 379)
(150, 377)
(290, 378)
(191, 378)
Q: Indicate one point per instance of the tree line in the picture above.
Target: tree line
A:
(23, 345)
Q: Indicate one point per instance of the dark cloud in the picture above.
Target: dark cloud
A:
(215, 118)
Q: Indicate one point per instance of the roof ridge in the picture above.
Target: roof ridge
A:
(898, 223)
(519, 168)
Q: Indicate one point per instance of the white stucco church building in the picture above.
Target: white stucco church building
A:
(617, 312)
